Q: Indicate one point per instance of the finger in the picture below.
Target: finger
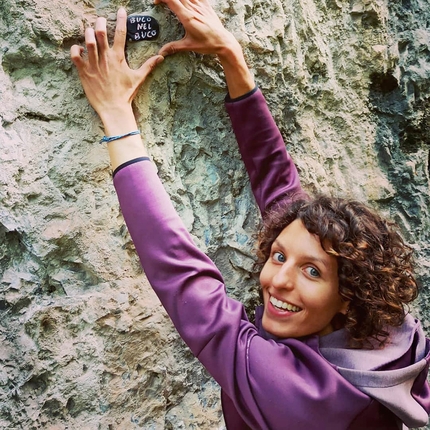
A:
(144, 70)
(199, 3)
(149, 65)
(177, 7)
(173, 47)
(120, 31)
(101, 36)
(91, 44)
(76, 52)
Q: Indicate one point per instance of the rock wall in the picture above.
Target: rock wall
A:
(85, 343)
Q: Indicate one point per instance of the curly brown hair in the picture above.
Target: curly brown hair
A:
(375, 266)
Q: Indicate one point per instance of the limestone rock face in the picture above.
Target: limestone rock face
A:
(85, 344)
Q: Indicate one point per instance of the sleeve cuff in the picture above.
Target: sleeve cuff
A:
(228, 99)
(127, 163)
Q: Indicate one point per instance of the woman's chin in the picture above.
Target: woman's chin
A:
(277, 329)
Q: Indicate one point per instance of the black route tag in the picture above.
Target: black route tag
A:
(142, 27)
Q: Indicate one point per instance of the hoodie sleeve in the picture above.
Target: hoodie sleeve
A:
(271, 385)
(270, 168)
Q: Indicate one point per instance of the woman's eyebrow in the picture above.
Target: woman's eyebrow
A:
(314, 259)
(277, 243)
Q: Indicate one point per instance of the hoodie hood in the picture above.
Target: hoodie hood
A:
(394, 375)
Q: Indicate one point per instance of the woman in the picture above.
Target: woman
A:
(331, 348)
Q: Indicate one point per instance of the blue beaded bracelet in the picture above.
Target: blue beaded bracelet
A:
(120, 136)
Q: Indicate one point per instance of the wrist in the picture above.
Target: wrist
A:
(123, 150)
(121, 121)
(118, 121)
(230, 52)
(238, 76)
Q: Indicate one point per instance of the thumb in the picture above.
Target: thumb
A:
(172, 48)
(149, 65)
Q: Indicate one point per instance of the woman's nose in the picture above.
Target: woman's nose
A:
(284, 277)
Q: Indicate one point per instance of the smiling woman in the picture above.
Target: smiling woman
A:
(373, 266)
(300, 285)
(333, 339)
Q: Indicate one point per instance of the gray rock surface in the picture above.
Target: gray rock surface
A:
(85, 343)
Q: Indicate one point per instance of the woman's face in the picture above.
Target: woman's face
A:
(300, 285)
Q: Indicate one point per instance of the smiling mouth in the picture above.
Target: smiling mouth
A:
(283, 306)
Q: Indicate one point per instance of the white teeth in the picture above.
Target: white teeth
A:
(284, 305)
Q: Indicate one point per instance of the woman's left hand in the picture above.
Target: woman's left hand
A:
(109, 83)
(204, 32)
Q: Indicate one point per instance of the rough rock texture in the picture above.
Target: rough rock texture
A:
(85, 343)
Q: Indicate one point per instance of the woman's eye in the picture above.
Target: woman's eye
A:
(280, 258)
(311, 271)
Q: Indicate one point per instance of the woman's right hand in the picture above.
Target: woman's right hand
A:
(109, 83)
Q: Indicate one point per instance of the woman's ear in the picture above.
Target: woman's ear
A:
(344, 309)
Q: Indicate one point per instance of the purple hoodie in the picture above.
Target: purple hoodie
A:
(267, 383)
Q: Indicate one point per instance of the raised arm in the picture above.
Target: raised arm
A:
(185, 279)
(271, 170)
